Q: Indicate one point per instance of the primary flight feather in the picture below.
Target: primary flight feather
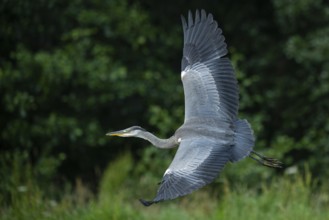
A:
(212, 135)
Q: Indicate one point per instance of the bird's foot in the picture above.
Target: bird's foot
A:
(266, 161)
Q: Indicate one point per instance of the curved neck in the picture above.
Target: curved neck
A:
(158, 142)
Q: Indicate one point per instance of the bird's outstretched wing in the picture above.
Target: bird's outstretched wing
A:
(197, 162)
(210, 86)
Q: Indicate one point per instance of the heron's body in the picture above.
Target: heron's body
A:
(212, 128)
(212, 134)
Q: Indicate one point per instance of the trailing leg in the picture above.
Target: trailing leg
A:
(265, 161)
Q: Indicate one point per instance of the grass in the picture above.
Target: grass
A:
(284, 198)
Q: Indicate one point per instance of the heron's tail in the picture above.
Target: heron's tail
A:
(243, 142)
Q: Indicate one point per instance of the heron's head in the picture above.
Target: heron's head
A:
(128, 132)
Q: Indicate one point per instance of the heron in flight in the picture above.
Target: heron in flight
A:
(212, 134)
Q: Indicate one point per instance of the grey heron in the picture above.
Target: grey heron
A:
(212, 134)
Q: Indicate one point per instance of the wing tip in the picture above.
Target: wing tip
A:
(146, 203)
(190, 19)
(200, 14)
(197, 16)
(183, 22)
(203, 14)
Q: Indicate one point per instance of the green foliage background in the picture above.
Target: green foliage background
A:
(72, 70)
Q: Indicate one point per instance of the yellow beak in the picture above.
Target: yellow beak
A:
(116, 133)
